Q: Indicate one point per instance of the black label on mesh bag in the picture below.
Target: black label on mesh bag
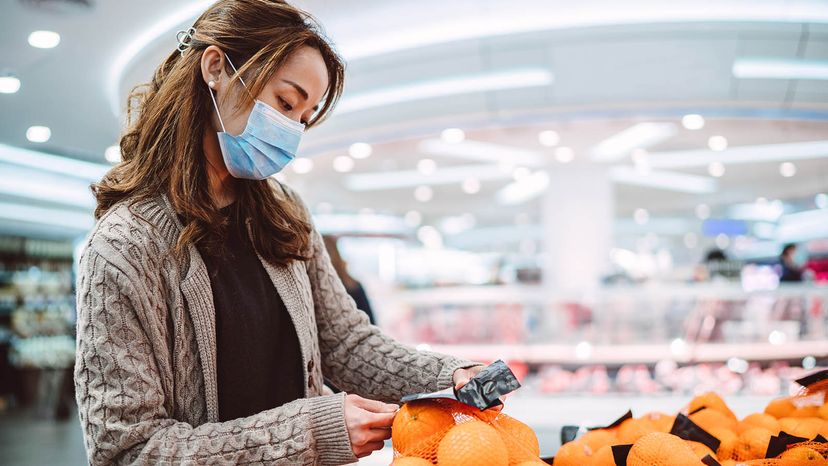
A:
(710, 461)
(684, 428)
(616, 422)
(620, 453)
(779, 443)
(482, 391)
(568, 434)
(811, 379)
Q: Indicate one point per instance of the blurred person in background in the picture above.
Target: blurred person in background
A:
(352, 286)
(208, 309)
(788, 261)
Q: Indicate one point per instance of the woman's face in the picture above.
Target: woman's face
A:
(295, 89)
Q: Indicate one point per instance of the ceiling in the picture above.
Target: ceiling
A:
(607, 67)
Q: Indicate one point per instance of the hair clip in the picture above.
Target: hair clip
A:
(185, 39)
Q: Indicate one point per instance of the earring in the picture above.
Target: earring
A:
(211, 84)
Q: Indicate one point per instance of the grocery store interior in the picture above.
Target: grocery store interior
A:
(625, 201)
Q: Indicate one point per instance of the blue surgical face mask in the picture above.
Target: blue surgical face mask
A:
(265, 147)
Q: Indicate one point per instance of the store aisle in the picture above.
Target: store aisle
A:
(26, 440)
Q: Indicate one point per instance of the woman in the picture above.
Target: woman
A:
(352, 285)
(208, 309)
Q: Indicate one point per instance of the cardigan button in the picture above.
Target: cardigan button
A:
(310, 381)
(310, 365)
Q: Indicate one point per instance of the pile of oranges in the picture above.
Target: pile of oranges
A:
(448, 433)
(742, 442)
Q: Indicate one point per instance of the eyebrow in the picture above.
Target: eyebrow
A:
(301, 91)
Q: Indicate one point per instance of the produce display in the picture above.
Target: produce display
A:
(791, 431)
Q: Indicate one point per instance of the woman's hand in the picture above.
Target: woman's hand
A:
(462, 376)
(368, 423)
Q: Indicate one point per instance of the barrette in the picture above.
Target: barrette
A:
(185, 39)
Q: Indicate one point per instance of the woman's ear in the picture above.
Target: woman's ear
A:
(212, 66)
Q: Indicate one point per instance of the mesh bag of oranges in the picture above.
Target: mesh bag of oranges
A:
(460, 428)
(449, 433)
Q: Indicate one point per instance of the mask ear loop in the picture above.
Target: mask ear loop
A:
(218, 113)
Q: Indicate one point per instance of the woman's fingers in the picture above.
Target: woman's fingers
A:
(380, 420)
(369, 448)
(374, 406)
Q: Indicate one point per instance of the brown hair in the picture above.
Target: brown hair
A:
(162, 151)
(338, 262)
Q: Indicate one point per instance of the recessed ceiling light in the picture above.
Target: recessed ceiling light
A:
(564, 154)
(716, 169)
(44, 39)
(641, 216)
(302, 165)
(430, 237)
(343, 164)
(360, 150)
(423, 193)
(787, 169)
(471, 186)
(38, 133)
(717, 143)
(549, 138)
(427, 166)
(9, 84)
(113, 154)
(453, 135)
(692, 121)
(520, 173)
(413, 218)
(722, 241)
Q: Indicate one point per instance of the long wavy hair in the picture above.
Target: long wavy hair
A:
(162, 147)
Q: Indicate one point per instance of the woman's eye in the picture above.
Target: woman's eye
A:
(285, 105)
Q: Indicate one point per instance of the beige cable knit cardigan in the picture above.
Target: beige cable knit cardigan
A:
(145, 373)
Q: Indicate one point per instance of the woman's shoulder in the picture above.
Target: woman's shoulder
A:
(133, 229)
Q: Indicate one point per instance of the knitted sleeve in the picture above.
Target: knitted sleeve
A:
(357, 357)
(125, 412)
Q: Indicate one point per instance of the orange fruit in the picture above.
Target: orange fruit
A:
(603, 457)
(808, 411)
(633, 429)
(807, 427)
(472, 443)
(520, 440)
(701, 450)
(532, 463)
(779, 408)
(803, 453)
(662, 422)
(823, 411)
(418, 428)
(728, 463)
(728, 441)
(411, 461)
(660, 449)
(759, 420)
(709, 418)
(753, 444)
(599, 438)
(712, 401)
(575, 453)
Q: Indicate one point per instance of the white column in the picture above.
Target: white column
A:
(577, 215)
